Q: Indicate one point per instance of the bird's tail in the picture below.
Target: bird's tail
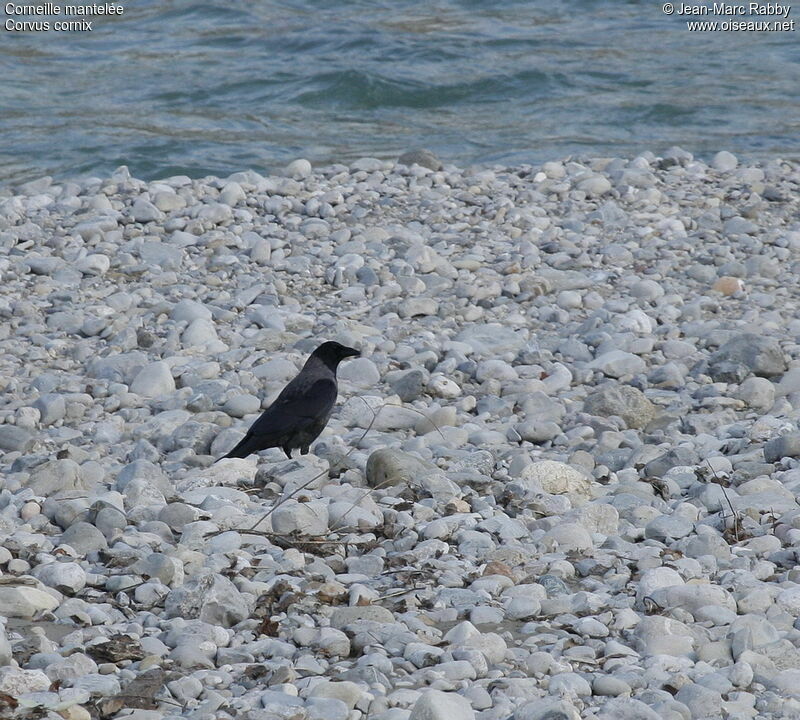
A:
(231, 454)
(240, 451)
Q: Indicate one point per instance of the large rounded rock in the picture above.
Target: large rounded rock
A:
(15, 681)
(52, 408)
(299, 169)
(388, 466)
(616, 363)
(410, 385)
(325, 640)
(360, 372)
(25, 602)
(724, 161)
(762, 356)
(144, 211)
(438, 705)
(422, 157)
(240, 405)
(300, 518)
(94, 264)
(491, 339)
(144, 470)
(674, 457)
(199, 332)
(84, 538)
(153, 380)
(625, 401)
(656, 635)
(66, 577)
(210, 598)
(655, 579)
(550, 709)
(666, 528)
(57, 478)
(556, 478)
(757, 392)
(569, 537)
(782, 446)
(189, 310)
(693, 598)
(345, 690)
(15, 439)
(370, 411)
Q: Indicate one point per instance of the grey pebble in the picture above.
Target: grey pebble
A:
(410, 385)
(84, 538)
(761, 355)
(52, 408)
(783, 446)
(15, 439)
(625, 401)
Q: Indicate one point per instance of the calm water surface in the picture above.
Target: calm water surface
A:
(174, 86)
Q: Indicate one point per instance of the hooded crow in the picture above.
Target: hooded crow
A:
(302, 410)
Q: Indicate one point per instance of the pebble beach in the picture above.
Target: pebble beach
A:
(560, 483)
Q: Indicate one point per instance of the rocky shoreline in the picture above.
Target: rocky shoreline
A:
(561, 482)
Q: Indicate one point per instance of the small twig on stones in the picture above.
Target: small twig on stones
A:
(360, 498)
(651, 607)
(734, 514)
(400, 592)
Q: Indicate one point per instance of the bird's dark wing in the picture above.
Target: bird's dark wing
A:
(296, 408)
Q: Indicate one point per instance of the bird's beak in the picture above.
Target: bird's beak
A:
(352, 352)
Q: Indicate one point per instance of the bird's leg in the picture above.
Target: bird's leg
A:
(288, 451)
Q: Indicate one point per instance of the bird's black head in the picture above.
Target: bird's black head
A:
(332, 353)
